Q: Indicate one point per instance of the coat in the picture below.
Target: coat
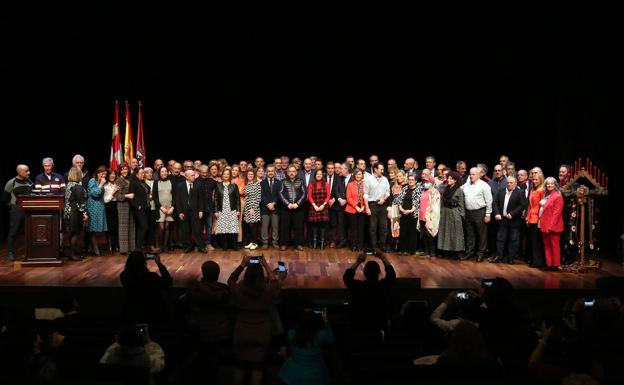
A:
(551, 220)
(451, 229)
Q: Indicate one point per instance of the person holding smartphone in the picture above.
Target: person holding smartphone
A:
(306, 345)
(143, 289)
(253, 299)
(467, 304)
(369, 297)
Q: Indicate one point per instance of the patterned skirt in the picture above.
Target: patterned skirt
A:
(127, 228)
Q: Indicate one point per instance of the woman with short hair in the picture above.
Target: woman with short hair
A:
(110, 203)
(227, 210)
(96, 207)
(123, 196)
(452, 214)
(357, 208)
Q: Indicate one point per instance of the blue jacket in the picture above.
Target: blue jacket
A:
(269, 195)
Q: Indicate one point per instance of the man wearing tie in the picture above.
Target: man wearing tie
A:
(337, 205)
(190, 207)
(508, 206)
(269, 202)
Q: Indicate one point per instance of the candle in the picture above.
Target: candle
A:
(591, 167)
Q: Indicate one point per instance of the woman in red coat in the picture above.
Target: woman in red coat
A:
(551, 222)
(357, 208)
(318, 215)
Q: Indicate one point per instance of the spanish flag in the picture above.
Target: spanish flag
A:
(129, 142)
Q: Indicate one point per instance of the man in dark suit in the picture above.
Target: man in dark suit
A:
(337, 205)
(206, 188)
(508, 206)
(190, 210)
(269, 205)
(306, 175)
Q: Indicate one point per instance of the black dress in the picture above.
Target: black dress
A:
(75, 207)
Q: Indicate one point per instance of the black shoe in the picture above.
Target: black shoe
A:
(480, 258)
(188, 250)
(465, 257)
(494, 259)
(202, 250)
(341, 244)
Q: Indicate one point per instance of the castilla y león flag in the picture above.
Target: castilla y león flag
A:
(140, 151)
(116, 157)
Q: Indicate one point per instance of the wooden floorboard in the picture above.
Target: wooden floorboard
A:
(307, 269)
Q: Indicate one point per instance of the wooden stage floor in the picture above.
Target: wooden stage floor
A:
(307, 269)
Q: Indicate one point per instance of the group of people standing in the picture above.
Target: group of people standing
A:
(432, 212)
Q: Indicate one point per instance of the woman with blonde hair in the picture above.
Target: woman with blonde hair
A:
(251, 209)
(397, 181)
(551, 222)
(535, 244)
(75, 214)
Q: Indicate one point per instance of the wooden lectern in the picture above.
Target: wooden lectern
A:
(42, 228)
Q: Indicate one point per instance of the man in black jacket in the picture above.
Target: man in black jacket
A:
(190, 209)
(508, 206)
(292, 194)
(206, 187)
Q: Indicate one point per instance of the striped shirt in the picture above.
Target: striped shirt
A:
(49, 184)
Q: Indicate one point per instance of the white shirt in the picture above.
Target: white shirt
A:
(376, 188)
(507, 196)
(330, 180)
(477, 196)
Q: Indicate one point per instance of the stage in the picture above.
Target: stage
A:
(306, 269)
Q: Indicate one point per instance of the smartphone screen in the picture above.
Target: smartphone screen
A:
(281, 266)
(462, 295)
(487, 282)
(254, 260)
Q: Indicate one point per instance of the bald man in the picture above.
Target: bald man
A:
(20, 185)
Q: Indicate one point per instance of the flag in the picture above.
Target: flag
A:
(140, 151)
(128, 143)
(116, 157)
